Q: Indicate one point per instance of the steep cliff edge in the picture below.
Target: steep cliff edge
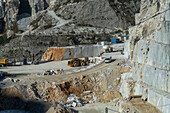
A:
(149, 51)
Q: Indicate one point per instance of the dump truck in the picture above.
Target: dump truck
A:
(78, 62)
(3, 61)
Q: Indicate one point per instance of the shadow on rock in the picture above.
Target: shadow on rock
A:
(13, 101)
(18, 104)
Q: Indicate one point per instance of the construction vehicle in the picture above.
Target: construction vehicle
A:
(3, 61)
(108, 59)
(109, 50)
(78, 62)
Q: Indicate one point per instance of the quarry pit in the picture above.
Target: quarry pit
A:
(48, 33)
(98, 87)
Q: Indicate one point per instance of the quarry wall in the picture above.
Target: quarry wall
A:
(63, 53)
(149, 51)
(29, 24)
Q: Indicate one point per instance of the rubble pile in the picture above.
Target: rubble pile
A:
(75, 91)
(60, 108)
(74, 101)
(133, 105)
(91, 87)
(89, 96)
(13, 100)
(52, 72)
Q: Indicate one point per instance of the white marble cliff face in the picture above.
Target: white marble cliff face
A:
(149, 50)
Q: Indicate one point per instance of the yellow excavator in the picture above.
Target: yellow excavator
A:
(3, 61)
(78, 62)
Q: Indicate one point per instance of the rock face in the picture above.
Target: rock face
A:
(149, 50)
(2, 26)
(30, 47)
(2, 23)
(37, 5)
(99, 13)
(33, 47)
(78, 21)
(11, 9)
(70, 52)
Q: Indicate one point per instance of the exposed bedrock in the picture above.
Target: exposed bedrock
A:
(149, 50)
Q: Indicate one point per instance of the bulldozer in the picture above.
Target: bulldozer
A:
(78, 62)
(4, 61)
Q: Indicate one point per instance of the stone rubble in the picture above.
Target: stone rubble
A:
(52, 72)
(90, 96)
(15, 80)
(92, 88)
(74, 101)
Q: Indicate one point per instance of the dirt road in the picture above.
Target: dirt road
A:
(63, 77)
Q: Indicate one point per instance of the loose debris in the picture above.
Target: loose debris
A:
(75, 101)
(52, 72)
(15, 80)
(89, 96)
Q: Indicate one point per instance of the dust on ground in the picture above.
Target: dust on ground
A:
(99, 84)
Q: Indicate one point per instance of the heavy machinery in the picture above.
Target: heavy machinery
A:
(78, 62)
(108, 59)
(3, 61)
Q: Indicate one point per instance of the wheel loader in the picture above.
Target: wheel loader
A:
(3, 61)
(78, 62)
